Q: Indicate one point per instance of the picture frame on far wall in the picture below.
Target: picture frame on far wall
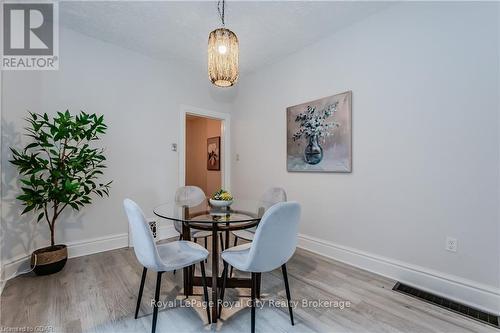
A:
(319, 135)
(213, 153)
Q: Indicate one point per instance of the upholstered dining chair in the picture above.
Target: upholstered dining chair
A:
(272, 196)
(191, 196)
(161, 258)
(274, 243)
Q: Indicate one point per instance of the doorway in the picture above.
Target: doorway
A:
(203, 152)
(204, 149)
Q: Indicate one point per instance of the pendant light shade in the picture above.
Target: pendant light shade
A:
(223, 53)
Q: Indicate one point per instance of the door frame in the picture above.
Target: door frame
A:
(225, 119)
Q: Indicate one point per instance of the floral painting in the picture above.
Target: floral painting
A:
(319, 135)
(213, 153)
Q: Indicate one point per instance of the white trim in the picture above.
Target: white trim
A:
(2, 232)
(225, 142)
(96, 245)
(480, 296)
(20, 264)
(12, 267)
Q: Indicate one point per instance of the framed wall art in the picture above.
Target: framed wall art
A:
(213, 153)
(319, 135)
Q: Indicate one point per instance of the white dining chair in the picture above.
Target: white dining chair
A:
(192, 196)
(274, 243)
(161, 258)
(269, 198)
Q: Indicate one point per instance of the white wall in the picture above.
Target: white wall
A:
(140, 99)
(425, 86)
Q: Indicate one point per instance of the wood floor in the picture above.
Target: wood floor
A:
(97, 293)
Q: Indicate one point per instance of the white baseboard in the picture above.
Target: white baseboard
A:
(480, 296)
(20, 264)
(96, 245)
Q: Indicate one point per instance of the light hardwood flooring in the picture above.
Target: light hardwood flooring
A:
(97, 293)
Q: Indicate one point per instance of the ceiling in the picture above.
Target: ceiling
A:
(169, 30)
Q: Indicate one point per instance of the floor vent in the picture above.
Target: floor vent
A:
(459, 308)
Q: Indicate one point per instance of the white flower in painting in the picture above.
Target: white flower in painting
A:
(213, 154)
(314, 123)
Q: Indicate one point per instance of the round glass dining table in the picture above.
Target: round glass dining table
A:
(241, 214)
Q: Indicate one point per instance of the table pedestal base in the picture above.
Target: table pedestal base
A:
(230, 283)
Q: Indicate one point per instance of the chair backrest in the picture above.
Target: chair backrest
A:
(275, 239)
(188, 196)
(144, 243)
(274, 195)
(271, 197)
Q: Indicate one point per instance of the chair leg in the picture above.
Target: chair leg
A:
(235, 242)
(141, 289)
(221, 242)
(287, 289)
(157, 299)
(206, 247)
(205, 289)
(258, 278)
(254, 279)
(223, 288)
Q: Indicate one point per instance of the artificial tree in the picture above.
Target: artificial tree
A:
(61, 166)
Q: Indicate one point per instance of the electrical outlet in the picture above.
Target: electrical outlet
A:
(451, 244)
(174, 146)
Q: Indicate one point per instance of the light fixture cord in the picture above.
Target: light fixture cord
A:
(221, 11)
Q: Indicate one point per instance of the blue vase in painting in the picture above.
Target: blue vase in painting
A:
(313, 153)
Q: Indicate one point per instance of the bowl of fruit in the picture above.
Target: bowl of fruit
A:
(221, 198)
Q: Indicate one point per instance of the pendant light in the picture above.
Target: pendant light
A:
(222, 53)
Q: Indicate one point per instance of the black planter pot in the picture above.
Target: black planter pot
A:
(49, 260)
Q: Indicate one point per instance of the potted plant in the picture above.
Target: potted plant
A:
(221, 198)
(313, 125)
(59, 168)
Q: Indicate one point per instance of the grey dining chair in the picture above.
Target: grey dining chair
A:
(192, 196)
(268, 199)
(265, 253)
(161, 258)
